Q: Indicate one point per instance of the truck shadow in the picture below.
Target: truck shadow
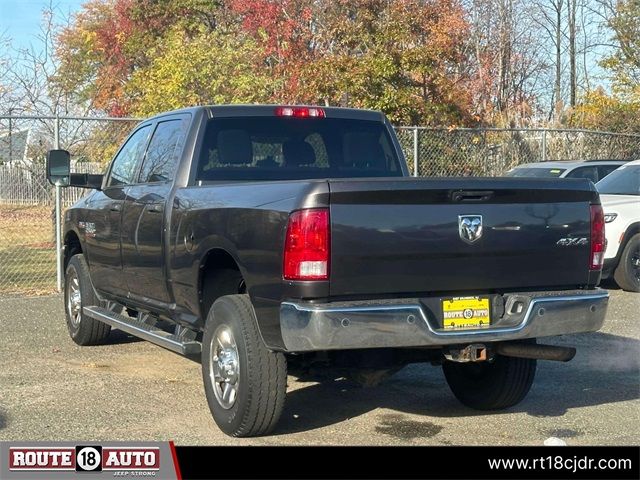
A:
(609, 284)
(3, 419)
(605, 370)
(118, 337)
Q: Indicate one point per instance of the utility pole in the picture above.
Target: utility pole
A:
(10, 134)
(573, 82)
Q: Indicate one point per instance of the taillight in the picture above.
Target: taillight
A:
(300, 112)
(597, 238)
(307, 245)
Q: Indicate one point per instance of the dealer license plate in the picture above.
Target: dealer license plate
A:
(466, 312)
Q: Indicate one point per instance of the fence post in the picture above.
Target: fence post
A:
(58, 210)
(544, 145)
(415, 151)
(10, 135)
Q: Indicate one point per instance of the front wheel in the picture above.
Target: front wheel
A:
(245, 383)
(79, 293)
(627, 274)
(494, 385)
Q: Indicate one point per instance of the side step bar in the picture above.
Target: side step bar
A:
(145, 331)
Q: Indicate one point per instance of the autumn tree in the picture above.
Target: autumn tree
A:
(401, 57)
(110, 39)
(432, 62)
(599, 110)
(219, 68)
(508, 61)
(618, 111)
(284, 31)
(624, 62)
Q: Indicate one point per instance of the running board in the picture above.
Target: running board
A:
(145, 331)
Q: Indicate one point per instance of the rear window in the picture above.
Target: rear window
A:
(283, 148)
(624, 181)
(535, 172)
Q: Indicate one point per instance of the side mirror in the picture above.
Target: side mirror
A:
(58, 167)
(59, 172)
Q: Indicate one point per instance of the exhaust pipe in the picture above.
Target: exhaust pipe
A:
(535, 351)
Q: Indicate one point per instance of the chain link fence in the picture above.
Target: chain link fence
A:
(492, 152)
(27, 200)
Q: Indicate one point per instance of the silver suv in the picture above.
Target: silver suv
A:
(594, 170)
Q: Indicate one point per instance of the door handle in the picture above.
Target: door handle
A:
(115, 207)
(154, 208)
(472, 196)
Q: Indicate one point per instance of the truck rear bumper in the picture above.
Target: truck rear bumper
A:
(410, 323)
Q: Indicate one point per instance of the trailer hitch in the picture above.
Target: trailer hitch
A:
(478, 352)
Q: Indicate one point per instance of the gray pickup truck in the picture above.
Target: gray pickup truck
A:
(254, 236)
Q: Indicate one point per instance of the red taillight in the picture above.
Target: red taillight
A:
(300, 112)
(597, 238)
(307, 245)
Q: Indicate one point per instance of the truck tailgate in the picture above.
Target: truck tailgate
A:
(410, 235)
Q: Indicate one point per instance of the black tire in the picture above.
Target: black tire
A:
(83, 330)
(261, 386)
(495, 385)
(627, 274)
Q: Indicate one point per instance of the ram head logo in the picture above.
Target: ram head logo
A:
(470, 227)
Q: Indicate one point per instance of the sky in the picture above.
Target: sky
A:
(20, 19)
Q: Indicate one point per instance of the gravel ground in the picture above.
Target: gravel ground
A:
(51, 389)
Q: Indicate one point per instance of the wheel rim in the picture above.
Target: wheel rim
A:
(74, 298)
(224, 367)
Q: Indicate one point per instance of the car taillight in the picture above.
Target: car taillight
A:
(307, 245)
(300, 112)
(597, 238)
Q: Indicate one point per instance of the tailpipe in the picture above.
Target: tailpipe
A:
(535, 351)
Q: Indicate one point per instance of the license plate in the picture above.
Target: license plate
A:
(466, 312)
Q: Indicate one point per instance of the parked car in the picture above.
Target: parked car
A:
(620, 196)
(594, 170)
(255, 235)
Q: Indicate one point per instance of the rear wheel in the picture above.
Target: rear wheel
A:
(627, 274)
(79, 293)
(245, 383)
(491, 385)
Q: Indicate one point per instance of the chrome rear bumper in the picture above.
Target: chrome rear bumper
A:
(409, 323)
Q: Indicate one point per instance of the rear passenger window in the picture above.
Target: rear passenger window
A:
(164, 151)
(584, 172)
(605, 170)
(127, 160)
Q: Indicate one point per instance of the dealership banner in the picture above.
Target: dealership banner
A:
(100, 460)
(65, 460)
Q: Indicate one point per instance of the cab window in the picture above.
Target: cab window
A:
(604, 170)
(584, 172)
(164, 150)
(125, 164)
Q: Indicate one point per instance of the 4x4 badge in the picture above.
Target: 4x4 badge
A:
(470, 227)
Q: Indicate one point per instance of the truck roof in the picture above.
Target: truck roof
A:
(269, 110)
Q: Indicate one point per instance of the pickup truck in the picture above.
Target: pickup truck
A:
(254, 236)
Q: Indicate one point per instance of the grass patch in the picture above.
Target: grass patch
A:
(27, 250)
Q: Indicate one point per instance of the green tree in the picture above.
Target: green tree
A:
(108, 40)
(624, 63)
(209, 68)
(601, 111)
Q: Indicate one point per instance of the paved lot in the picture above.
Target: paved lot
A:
(50, 389)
